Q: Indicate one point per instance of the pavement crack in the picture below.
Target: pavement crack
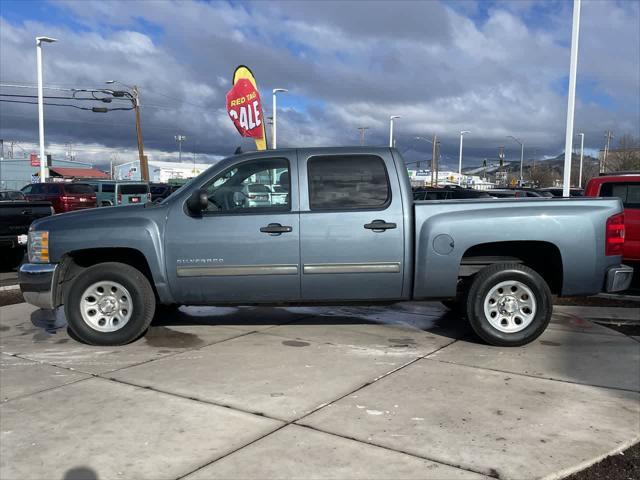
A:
(549, 379)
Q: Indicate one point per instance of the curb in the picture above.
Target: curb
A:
(592, 461)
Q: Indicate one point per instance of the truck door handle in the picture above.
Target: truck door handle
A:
(276, 229)
(379, 226)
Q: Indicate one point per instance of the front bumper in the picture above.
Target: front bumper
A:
(618, 278)
(38, 283)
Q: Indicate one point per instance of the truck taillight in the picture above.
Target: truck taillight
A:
(614, 239)
(64, 198)
(119, 198)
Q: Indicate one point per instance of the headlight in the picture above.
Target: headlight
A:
(38, 246)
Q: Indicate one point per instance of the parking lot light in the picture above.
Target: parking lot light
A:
(43, 158)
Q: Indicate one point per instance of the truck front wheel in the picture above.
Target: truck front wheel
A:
(509, 305)
(109, 304)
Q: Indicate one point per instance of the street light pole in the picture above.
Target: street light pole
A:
(521, 157)
(391, 118)
(571, 100)
(43, 158)
(273, 129)
(460, 158)
(362, 131)
(581, 157)
(180, 139)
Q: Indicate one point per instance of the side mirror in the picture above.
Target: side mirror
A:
(198, 201)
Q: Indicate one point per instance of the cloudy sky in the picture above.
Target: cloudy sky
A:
(496, 68)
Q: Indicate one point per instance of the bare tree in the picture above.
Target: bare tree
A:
(627, 156)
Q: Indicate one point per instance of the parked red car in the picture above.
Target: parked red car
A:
(627, 188)
(64, 197)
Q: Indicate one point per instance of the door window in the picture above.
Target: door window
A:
(247, 187)
(348, 182)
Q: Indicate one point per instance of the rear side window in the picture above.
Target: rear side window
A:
(108, 188)
(345, 182)
(134, 189)
(629, 193)
(78, 188)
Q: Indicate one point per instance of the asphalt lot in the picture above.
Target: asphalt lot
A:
(334, 392)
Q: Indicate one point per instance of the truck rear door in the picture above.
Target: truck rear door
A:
(351, 226)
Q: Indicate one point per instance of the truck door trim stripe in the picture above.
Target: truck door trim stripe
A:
(237, 270)
(374, 267)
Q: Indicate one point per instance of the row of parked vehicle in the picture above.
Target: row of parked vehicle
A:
(455, 192)
(19, 208)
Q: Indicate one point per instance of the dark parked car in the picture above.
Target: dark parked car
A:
(16, 215)
(506, 193)
(64, 197)
(557, 191)
(11, 195)
(447, 193)
(531, 192)
(160, 191)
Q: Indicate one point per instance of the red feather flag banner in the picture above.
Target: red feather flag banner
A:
(244, 107)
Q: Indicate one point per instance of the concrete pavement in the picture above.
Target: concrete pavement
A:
(334, 392)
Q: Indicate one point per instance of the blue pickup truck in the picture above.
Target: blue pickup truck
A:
(346, 230)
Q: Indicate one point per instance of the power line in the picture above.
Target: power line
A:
(93, 109)
(93, 99)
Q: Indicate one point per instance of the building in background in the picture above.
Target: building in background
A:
(159, 172)
(15, 173)
(422, 178)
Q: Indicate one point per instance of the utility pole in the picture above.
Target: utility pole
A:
(608, 136)
(144, 165)
(362, 130)
(180, 139)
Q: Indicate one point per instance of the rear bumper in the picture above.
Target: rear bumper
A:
(37, 282)
(618, 278)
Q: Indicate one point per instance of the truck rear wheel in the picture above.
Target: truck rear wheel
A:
(509, 305)
(109, 304)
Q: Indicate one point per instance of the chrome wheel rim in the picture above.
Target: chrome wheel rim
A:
(106, 306)
(510, 306)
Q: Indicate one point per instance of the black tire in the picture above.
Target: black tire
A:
(491, 276)
(142, 301)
